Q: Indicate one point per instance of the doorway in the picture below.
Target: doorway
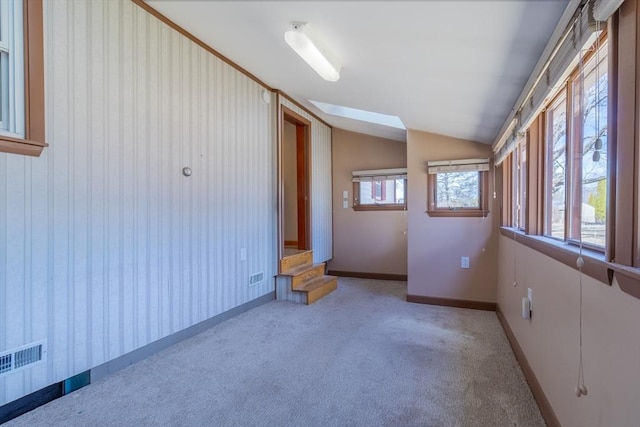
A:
(294, 158)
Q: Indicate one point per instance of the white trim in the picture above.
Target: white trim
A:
(12, 103)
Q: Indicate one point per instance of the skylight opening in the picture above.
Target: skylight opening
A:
(362, 115)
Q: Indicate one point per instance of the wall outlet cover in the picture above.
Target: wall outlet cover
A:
(464, 262)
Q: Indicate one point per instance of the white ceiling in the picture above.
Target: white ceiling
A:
(450, 67)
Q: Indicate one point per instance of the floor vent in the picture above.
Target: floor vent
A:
(254, 279)
(22, 357)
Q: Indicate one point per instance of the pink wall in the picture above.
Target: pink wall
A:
(436, 244)
(366, 242)
(550, 339)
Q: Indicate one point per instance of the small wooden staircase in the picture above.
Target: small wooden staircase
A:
(301, 280)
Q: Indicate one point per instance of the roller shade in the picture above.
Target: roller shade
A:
(465, 165)
(379, 175)
(603, 9)
(508, 147)
(580, 35)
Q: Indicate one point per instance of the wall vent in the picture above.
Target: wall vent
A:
(23, 357)
(256, 278)
(6, 363)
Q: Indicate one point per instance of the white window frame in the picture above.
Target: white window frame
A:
(12, 96)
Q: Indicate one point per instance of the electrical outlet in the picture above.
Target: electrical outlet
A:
(464, 262)
(345, 204)
(243, 254)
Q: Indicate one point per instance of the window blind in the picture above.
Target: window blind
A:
(603, 9)
(465, 165)
(580, 35)
(379, 174)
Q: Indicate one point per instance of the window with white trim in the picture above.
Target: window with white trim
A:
(12, 102)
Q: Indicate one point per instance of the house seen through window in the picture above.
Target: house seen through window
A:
(382, 189)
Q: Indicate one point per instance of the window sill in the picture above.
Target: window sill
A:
(379, 208)
(457, 213)
(595, 265)
(21, 146)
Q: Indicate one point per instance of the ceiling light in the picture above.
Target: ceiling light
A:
(298, 39)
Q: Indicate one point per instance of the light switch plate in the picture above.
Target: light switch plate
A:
(345, 194)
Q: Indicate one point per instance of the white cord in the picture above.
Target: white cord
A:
(495, 195)
(581, 388)
(515, 251)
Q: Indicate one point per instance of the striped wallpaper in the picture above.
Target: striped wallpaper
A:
(105, 246)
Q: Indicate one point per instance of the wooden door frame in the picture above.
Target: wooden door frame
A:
(303, 155)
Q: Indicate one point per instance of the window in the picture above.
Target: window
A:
(11, 69)
(589, 151)
(556, 160)
(458, 188)
(21, 77)
(382, 189)
(519, 184)
(576, 155)
(582, 154)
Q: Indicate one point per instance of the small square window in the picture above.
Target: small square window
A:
(457, 193)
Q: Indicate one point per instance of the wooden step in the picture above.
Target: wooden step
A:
(304, 273)
(318, 288)
(292, 261)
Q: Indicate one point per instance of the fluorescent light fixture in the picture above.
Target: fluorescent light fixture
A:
(362, 115)
(298, 39)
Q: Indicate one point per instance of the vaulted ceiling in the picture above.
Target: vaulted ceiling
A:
(450, 67)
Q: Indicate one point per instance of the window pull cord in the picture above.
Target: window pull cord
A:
(581, 388)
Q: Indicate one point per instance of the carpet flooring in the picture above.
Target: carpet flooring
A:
(362, 356)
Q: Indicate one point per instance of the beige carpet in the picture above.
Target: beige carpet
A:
(360, 357)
